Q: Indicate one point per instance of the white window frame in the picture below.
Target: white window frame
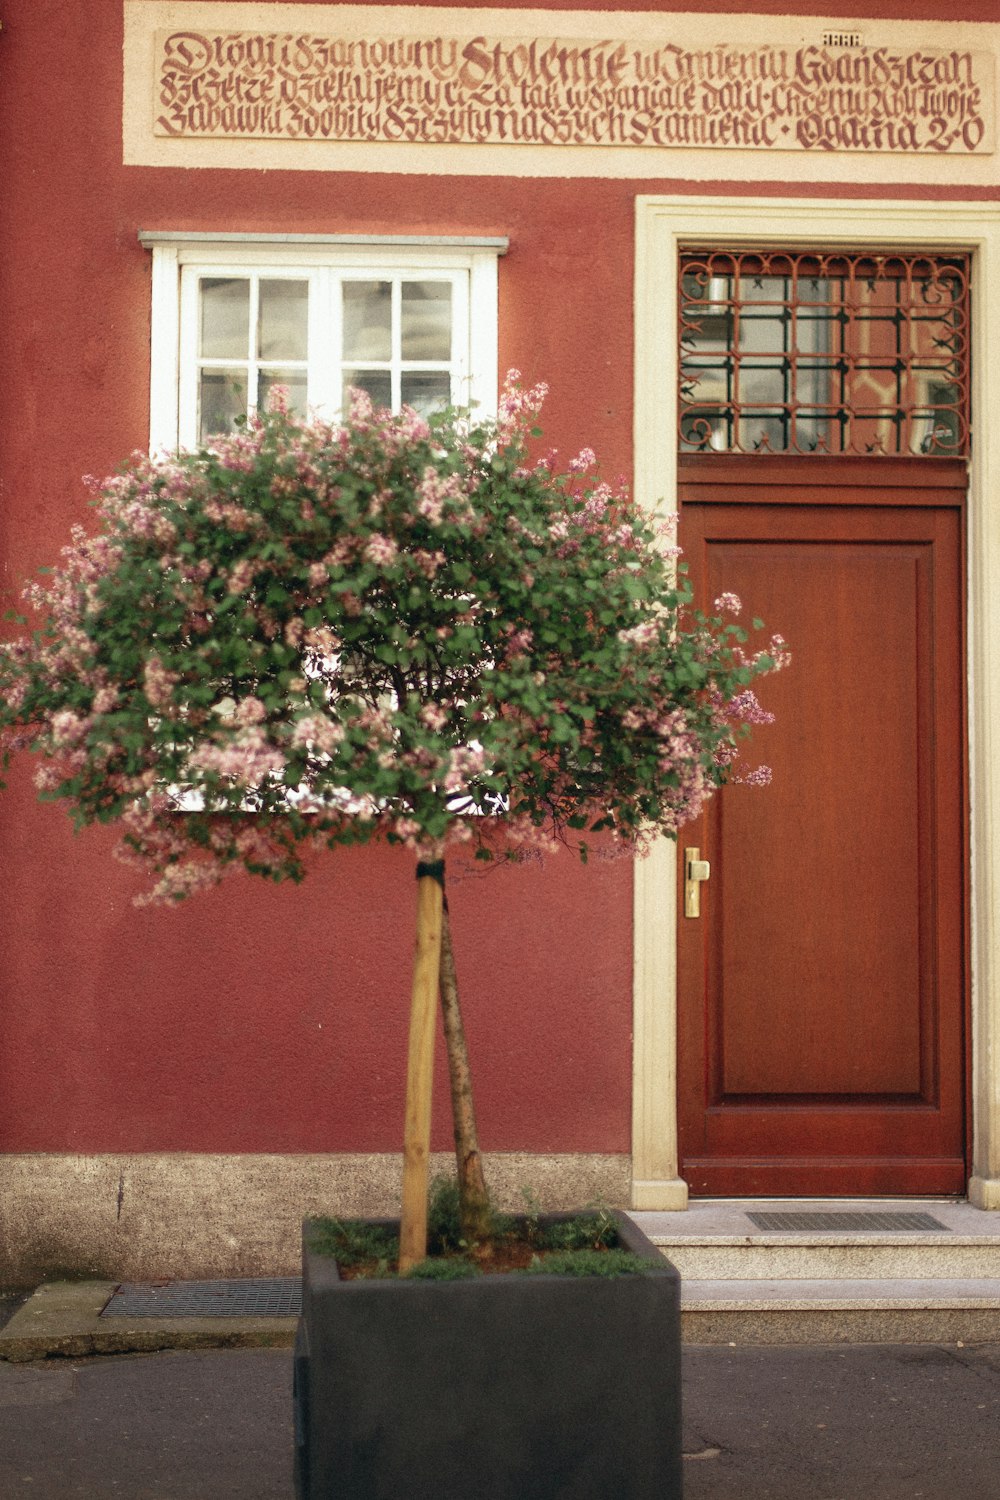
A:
(181, 259)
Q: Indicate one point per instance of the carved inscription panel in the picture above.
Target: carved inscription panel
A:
(552, 91)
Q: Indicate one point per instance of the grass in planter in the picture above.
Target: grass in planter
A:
(587, 1263)
(443, 1268)
(595, 1230)
(357, 1245)
(584, 1245)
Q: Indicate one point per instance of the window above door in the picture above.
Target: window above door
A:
(411, 321)
(864, 354)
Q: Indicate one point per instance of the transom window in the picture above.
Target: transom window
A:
(411, 323)
(804, 353)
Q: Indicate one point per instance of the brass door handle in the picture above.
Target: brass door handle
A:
(696, 870)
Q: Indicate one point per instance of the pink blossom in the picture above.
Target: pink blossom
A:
(246, 760)
(729, 604)
(318, 733)
(430, 507)
(643, 634)
(241, 576)
(407, 830)
(412, 427)
(342, 553)
(250, 711)
(321, 640)
(361, 408)
(519, 642)
(15, 696)
(180, 880)
(49, 776)
(158, 683)
(68, 728)
(745, 707)
(585, 459)
(517, 405)
(434, 716)
(381, 550)
(428, 563)
(761, 776)
(464, 763)
(105, 700)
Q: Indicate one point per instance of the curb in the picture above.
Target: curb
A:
(62, 1319)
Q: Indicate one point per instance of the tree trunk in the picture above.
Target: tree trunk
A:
(420, 1064)
(473, 1198)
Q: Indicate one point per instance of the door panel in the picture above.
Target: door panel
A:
(821, 994)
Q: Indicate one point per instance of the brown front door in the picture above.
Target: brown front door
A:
(822, 991)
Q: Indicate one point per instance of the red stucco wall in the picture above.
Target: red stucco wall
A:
(254, 1018)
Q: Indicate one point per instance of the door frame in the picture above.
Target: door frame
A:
(665, 226)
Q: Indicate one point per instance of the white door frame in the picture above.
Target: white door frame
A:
(664, 226)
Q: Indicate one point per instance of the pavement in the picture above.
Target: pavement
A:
(190, 1420)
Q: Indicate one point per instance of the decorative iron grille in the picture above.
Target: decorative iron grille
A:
(864, 354)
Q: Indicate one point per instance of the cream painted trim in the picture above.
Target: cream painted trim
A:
(663, 226)
(164, 349)
(655, 1183)
(199, 238)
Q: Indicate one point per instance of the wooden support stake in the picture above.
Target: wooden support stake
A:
(420, 1070)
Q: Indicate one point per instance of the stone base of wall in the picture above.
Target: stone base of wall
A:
(123, 1218)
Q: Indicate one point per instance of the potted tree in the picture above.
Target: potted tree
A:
(313, 634)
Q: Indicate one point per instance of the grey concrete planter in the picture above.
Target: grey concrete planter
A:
(501, 1387)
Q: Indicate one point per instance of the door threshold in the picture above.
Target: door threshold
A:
(738, 1219)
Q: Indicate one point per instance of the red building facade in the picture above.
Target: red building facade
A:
(641, 208)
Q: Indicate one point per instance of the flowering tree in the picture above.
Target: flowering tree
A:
(316, 634)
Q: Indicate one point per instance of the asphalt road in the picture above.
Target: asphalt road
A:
(865, 1422)
(857, 1423)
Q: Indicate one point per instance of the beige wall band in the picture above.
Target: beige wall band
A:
(482, 92)
(192, 1214)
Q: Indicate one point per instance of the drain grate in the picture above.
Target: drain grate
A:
(866, 1220)
(260, 1297)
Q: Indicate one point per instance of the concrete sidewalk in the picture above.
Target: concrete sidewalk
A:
(62, 1319)
(866, 1422)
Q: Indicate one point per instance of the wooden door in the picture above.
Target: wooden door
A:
(822, 991)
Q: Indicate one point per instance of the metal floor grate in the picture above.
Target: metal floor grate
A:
(865, 1220)
(260, 1297)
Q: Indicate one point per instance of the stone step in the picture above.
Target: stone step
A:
(721, 1240)
(821, 1311)
(745, 1281)
(858, 1258)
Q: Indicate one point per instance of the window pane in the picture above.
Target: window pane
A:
(426, 320)
(284, 313)
(225, 318)
(760, 332)
(763, 289)
(378, 384)
(223, 399)
(763, 383)
(426, 390)
(367, 319)
(294, 382)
